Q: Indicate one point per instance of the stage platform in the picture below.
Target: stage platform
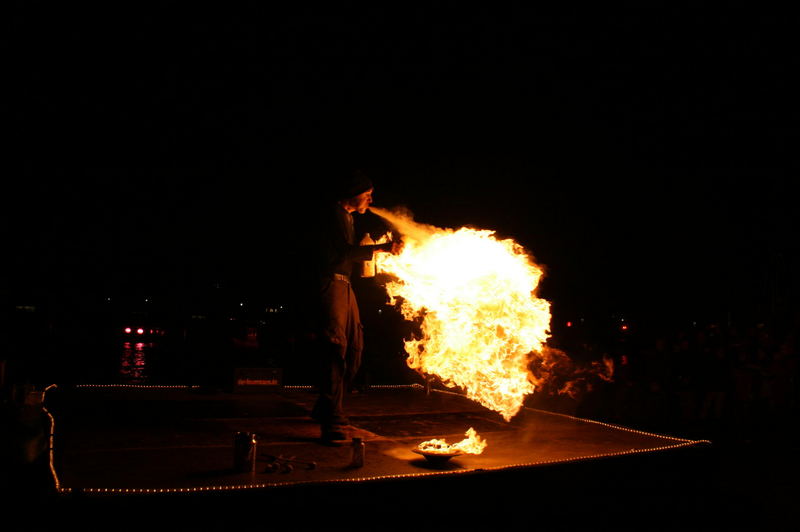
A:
(123, 443)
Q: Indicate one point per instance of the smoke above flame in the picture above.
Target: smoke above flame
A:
(481, 323)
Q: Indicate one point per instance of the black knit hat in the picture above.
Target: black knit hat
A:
(352, 184)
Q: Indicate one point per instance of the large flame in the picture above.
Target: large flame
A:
(481, 322)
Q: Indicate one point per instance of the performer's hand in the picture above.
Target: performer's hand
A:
(394, 247)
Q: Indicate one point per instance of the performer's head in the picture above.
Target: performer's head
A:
(354, 192)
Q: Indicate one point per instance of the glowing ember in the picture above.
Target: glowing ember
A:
(481, 322)
(472, 444)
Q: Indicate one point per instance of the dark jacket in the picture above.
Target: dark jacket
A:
(337, 246)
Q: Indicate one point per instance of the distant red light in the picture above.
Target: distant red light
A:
(139, 331)
(127, 330)
(624, 327)
(569, 324)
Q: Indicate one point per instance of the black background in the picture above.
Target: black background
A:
(642, 155)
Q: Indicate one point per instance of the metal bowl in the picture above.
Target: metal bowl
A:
(437, 458)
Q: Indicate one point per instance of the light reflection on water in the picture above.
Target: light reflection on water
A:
(133, 362)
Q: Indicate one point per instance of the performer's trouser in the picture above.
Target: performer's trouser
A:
(338, 353)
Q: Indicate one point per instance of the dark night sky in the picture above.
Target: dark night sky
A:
(642, 155)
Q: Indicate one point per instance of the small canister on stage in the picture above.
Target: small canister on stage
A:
(244, 452)
(358, 453)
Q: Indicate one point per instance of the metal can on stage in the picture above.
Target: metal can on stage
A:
(358, 453)
(245, 446)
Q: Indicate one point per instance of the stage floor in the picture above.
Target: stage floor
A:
(114, 440)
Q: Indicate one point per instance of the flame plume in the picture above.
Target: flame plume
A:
(481, 322)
